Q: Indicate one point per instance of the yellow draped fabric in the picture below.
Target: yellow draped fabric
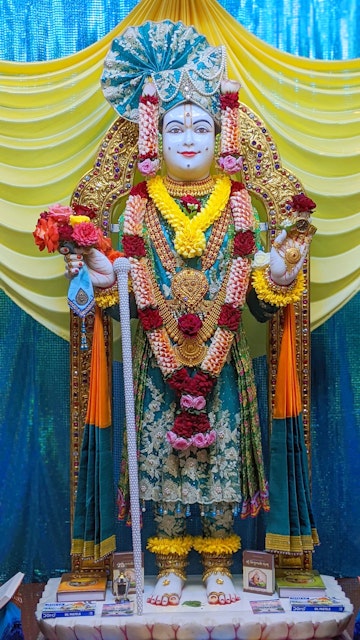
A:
(53, 116)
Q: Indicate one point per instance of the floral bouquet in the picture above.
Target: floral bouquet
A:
(68, 228)
(71, 230)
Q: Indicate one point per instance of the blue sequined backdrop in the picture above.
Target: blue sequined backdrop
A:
(34, 373)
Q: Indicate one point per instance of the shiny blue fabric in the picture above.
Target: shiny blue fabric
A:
(44, 29)
(34, 364)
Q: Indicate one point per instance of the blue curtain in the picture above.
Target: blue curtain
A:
(34, 364)
(45, 29)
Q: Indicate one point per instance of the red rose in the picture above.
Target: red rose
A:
(178, 380)
(229, 100)
(186, 424)
(200, 384)
(301, 202)
(244, 243)
(189, 324)
(81, 210)
(66, 232)
(150, 318)
(183, 426)
(139, 190)
(229, 317)
(133, 246)
(202, 423)
(236, 186)
(191, 204)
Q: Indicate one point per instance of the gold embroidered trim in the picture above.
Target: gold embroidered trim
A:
(290, 545)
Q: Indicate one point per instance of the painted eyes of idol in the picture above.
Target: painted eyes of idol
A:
(179, 128)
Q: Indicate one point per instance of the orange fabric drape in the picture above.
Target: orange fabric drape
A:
(287, 390)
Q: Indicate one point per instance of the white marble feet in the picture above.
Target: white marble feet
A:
(220, 589)
(167, 590)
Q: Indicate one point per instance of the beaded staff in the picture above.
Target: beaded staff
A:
(122, 268)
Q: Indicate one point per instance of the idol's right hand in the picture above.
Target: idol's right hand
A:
(100, 268)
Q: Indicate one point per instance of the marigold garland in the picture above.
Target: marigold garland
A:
(179, 546)
(217, 546)
(189, 232)
(106, 298)
(275, 294)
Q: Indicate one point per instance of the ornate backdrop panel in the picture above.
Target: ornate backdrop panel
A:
(52, 116)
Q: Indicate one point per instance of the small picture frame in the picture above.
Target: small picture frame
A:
(123, 573)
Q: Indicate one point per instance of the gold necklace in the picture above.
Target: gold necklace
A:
(179, 189)
(189, 287)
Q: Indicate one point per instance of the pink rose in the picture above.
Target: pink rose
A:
(176, 442)
(85, 234)
(202, 440)
(230, 164)
(59, 213)
(192, 402)
(148, 167)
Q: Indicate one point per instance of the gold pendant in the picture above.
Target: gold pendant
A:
(189, 286)
(191, 352)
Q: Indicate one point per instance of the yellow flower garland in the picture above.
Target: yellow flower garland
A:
(189, 233)
(178, 546)
(217, 546)
(108, 297)
(275, 294)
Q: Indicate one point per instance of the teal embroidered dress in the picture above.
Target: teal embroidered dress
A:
(230, 471)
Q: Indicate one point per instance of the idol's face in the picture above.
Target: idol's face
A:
(188, 142)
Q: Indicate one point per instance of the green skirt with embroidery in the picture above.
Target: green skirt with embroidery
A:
(229, 471)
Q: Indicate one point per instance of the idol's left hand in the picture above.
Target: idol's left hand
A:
(287, 257)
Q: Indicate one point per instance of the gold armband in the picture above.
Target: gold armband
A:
(276, 294)
(106, 298)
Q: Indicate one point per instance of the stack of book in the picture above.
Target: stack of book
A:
(82, 586)
(297, 583)
(323, 603)
(67, 609)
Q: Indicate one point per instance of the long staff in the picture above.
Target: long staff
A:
(122, 268)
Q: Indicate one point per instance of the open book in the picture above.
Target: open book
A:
(9, 588)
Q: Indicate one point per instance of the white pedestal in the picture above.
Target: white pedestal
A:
(207, 622)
